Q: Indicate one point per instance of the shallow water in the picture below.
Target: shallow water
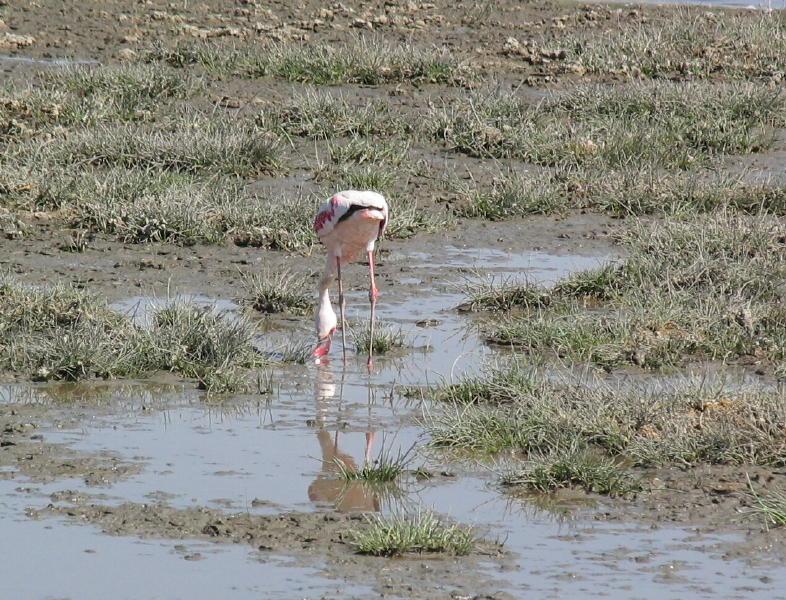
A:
(46, 62)
(57, 559)
(270, 453)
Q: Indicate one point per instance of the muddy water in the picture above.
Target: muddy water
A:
(266, 454)
(59, 559)
(46, 62)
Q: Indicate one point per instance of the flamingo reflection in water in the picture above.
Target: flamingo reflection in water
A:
(329, 486)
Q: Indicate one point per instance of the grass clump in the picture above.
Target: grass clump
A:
(360, 151)
(496, 385)
(572, 467)
(362, 163)
(489, 430)
(493, 294)
(703, 287)
(76, 96)
(140, 206)
(199, 145)
(657, 123)
(319, 115)
(631, 190)
(298, 352)
(270, 223)
(379, 178)
(419, 533)
(194, 341)
(689, 423)
(282, 292)
(124, 90)
(385, 468)
(771, 507)
(511, 195)
(387, 337)
(408, 218)
(368, 61)
(62, 333)
(689, 43)
(569, 334)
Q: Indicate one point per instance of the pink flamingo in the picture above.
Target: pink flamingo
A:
(347, 223)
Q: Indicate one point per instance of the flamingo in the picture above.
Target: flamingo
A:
(346, 223)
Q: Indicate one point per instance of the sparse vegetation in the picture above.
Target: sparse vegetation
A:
(689, 424)
(663, 124)
(62, 333)
(364, 60)
(242, 119)
(572, 467)
(688, 288)
(386, 468)
(689, 43)
(420, 533)
(387, 337)
(278, 292)
(771, 507)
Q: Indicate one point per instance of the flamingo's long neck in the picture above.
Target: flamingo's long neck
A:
(326, 317)
(325, 306)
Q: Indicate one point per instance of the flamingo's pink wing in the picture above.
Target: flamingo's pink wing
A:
(329, 214)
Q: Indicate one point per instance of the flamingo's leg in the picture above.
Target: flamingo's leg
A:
(341, 306)
(369, 443)
(372, 296)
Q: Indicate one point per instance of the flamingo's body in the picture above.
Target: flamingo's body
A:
(348, 223)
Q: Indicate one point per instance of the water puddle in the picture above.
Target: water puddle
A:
(563, 553)
(80, 563)
(265, 454)
(46, 62)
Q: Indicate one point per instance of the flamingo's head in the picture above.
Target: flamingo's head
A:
(323, 345)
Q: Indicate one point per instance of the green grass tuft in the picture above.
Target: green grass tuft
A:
(572, 467)
(387, 337)
(689, 424)
(689, 43)
(281, 292)
(420, 533)
(320, 115)
(385, 468)
(192, 146)
(367, 61)
(771, 508)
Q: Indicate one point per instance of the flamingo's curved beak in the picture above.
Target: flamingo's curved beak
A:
(322, 347)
